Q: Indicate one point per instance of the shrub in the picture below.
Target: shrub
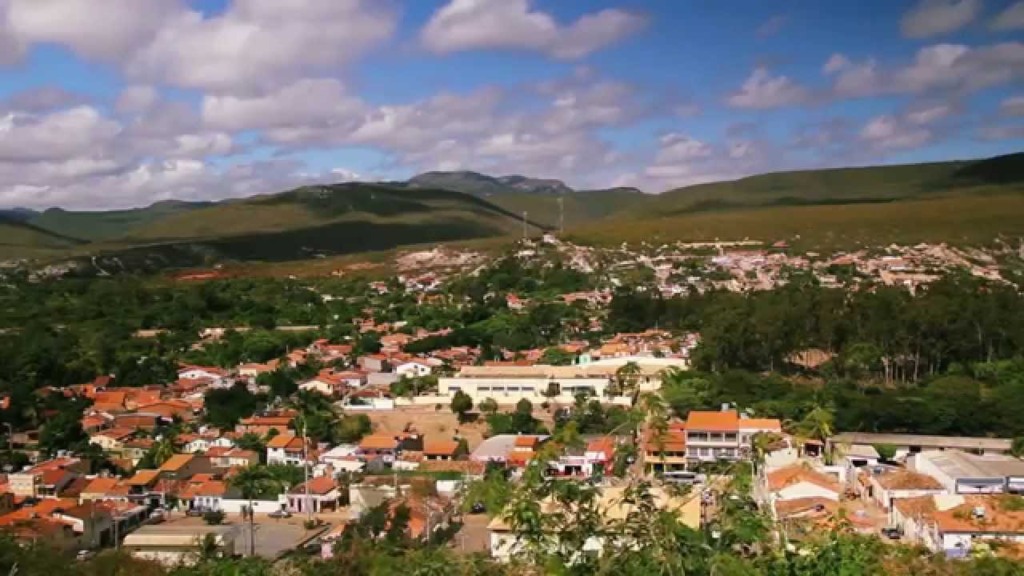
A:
(213, 517)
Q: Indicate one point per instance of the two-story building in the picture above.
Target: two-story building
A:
(289, 449)
(712, 435)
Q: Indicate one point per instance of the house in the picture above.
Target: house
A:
(173, 545)
(382, 446)
(343, 457)
(395, 342)
(334, 383)
(95, 422)
(712, 435)
(135, 449)
(318, 494)
(110, 401)
(253, 370)
(211, 373)
(204, 492)
(142, 488)
(184, 466)
(503, 447)
(374, 363)
(137, 421)
(113, 439)
(800, 481)
(104, 488)
(221, 457)
(750, 427)
(170, 410)
(600, 455)
(262, 425)
(288, 449)
(441, 450)
(975, 523)
(885, 484)
(665, 453)
(413, 368)
(46, 478)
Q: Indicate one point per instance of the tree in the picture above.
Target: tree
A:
(461, 405)
(213, 517)
(886, 452)
(817, 424)
(628, 376)
(1017, 447)
(488, 406)
(251, 482)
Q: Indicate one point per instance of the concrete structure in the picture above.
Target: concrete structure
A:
(173, 545)
(317, 495)
(800, 481)
(498, 448)
(537, 383)
(907, 444)
(885, 485)
(963, 473)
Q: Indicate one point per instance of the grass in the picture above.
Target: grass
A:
(109, 224)
(955, 220)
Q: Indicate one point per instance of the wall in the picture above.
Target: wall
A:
(234, 505)
(372, 404)
(805, 490)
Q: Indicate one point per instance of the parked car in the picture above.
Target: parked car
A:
(477, 508)
(195, 512)
(282, 513)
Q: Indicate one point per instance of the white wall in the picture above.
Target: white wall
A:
(234, 506)
(805, 490)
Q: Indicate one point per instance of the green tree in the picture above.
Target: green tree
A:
(461, 405)
(488, 406)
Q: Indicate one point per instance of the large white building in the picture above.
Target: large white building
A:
(537, 383)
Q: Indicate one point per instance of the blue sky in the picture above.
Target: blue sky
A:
(160, 99)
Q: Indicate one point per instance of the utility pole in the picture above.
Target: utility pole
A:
(305, 470)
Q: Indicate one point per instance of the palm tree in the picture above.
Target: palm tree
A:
(251, 482)
(163, 450)
(761, 444)
(628, 376)
(817, 425)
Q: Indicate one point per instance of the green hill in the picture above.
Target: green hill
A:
(20, 239)
(849, 185)
(109, 224)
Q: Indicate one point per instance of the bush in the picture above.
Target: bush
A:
(311, 524)
(213, 517)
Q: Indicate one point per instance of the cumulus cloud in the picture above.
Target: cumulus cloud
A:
(888, 132)
(258, 44)
(761, 90)
(106, 32)
(324, 103)
(512, 24)
(936, 17)
(42, 99)
(1012, 106)
(934, 69)
(1010, 19)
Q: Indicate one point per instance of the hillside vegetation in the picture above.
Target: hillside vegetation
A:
(850, 185)
(20, 239)
(106, 225)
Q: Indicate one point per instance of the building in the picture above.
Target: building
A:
(262, 425)
(323, 495)
(798, 482)
(343, 457)
(712, 435)
(975, 523)
(413, 368)
(184, 466)
(502, 448)
(907, 444)
(112, 439)
(232, 457)
(287, 449)
(46, 478)
(885, 485)
(172, 545)
(441, 450)
(964, 473)
(538, 383)
(665, 453)
(379, 446)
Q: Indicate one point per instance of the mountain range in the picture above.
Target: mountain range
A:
(316, 221)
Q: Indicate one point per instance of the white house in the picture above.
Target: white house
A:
(201, 373)
(800, 481)
(286, 449)
(959, 525)
(413, 368)
(885, 485)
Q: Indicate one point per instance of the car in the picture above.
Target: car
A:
(892, 533)
(194, 512)
(282, 513)
(478, 508)
(84, 555)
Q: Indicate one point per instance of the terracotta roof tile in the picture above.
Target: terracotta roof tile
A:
(726, 421)
(440, 448)
(378, 442)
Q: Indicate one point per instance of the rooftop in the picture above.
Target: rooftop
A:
(957, 464)
(939, 442)
(176, 462)
(721, 421)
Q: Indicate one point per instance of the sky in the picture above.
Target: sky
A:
(123, 103)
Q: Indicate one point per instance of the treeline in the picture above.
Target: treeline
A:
(883, 333)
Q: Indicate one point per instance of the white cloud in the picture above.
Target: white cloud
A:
(60, 135)
(935, 69)
(107, 30)
(135, 99)
(306, 102)
(888, 132)
(511, 24)
(258, 44)
(1012, 106)
(761, 90)
(936, 17)
(929, 114)
(1010, 19)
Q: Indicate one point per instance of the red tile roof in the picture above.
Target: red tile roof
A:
(440, 448)
(320, 485)
(725, 421)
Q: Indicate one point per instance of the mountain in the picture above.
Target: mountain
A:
(108, 225)
(870, 184)
(19, 238)
(484, 186)
(18, 214)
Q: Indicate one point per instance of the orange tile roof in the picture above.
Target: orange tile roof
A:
(116, 433)
(724, 421)
(519, 458)
(282, 441)
(176, 462)
(212, 488)
(526, 441)
(320, 485)
(997, 518)
(441, 447)
(378, 442)
(143, 478)
(217, 451)
(673, 441)
(798, 473)
(111, 397)
(766, 424)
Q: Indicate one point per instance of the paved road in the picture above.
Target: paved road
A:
(272, 538)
